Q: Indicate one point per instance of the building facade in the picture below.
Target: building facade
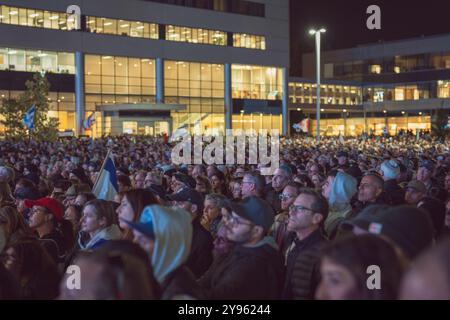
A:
(399, 85)
(151, 67)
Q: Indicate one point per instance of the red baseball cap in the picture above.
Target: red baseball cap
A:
(51, 204)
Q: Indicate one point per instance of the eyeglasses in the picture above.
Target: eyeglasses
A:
(298, 208)
(286, 196)
(246, 182)
(234, 221)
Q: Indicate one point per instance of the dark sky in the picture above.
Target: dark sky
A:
(345, 21)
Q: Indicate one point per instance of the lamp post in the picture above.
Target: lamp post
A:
(317, 34)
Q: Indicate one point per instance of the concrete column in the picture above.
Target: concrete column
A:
(79, 93)
(228, 97)
(285, 106)
(159, 80)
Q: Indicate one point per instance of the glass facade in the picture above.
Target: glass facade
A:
(256, 82)
(199, 86)
(111, 80)
(390, 65)
(257, 121)
(196, 35)
(242, 40)
(36, 18)
(356, 126)
(122, 27)
(330, 94)
(36, 61)
(147, 30)
(408, 91)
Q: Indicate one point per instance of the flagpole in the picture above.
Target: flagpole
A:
(101, 169)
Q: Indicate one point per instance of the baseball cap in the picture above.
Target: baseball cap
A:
(256, 210)
(342, 154)
(50, 204)
(417, 186)
(26, 193)
(408, 227)
(190, 195)
(187, 180)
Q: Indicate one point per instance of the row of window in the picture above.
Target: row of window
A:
(388, 65)
(196, 35)
(242, 40)
(330, 94)
(423, 90)
(63, 21)
(36, 61)
(122, 27)
(233, 6)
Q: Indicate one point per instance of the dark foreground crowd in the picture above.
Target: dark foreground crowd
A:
(354, 219)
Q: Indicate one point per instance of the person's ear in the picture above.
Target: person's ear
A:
(258, 231)
(194, 208)
(102, 222)
(317, 218)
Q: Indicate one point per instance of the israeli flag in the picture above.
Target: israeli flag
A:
(106, 186)
(28, 118)
(89, 121)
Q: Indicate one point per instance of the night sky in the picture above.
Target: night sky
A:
(345, 21)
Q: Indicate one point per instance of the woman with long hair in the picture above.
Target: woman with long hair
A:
(14, 224)
(131, 206)
(6, 198)
(34, 269)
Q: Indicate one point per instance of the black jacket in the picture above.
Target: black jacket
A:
(302, 269)
(55, 245)
(393, 194)
(180, 284)
(200, 257)
(273, 198)
(246, 273)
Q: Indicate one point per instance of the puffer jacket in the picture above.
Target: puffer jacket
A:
(246, 273)
(302, 270)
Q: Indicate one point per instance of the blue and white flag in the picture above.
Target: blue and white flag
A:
(28, 118)
(89, 121)
(106, 186)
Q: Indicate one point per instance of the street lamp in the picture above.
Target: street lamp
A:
(317, 34)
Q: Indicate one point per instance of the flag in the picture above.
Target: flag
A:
(106, 186)
(28, 118)
(304, 125)
(180, 133)
(89, 121)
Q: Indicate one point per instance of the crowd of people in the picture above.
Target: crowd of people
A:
(330, 213)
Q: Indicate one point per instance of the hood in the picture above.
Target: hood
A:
(173, 238)
(109, 233)
(343, 189)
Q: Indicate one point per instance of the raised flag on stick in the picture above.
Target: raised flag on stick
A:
(106, 186)
(28, 118)
(89, 121)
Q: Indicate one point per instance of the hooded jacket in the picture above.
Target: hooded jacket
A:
(109, 233)
(343, 189)
(173, 236)
(255, 272)
(173, 230)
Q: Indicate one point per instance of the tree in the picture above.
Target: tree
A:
(13, 110)
(439, 123)
(12, 113)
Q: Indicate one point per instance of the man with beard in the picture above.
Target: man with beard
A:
(253, 269)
